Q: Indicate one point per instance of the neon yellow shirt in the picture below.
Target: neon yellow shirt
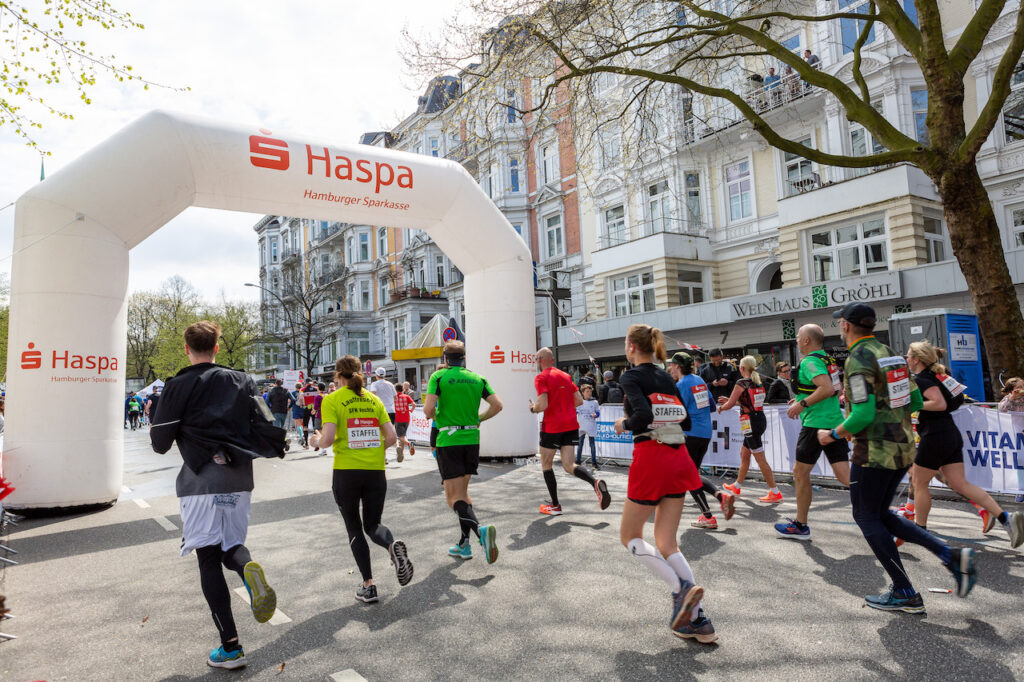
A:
(359, 439)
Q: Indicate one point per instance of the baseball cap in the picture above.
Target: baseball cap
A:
(860, 314)
(684, 360)
(380, 371)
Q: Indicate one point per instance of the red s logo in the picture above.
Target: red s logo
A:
(497, 356)
(267, 152)
(31, 359)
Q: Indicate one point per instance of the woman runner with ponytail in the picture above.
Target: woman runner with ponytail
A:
(661, 474)
(942, 447)
(355, 420)
(749, 395)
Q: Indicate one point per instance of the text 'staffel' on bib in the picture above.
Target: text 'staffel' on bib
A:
(667, 409)
(363, 433)
(954, 387)
(757, 397)
(898, 382)
(833, 373)
(700, 396)
(745, 426)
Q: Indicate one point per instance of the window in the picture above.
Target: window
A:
(1013, 108)
(359, 343)
(273, 250)
(486, 184)
(351, 297)
(615, 225)
(263, 253)
(325, 264)
(935, 240)
(919, 107)
(659, 207)
(693, 211)
(439, 268)
(435, 146)
(632, 294)
(384, 295)
(518, 227)
(553, 236)
(849, 250)
(350, 256)
(510, 106)
(364, 295)
(796, 171)
(364, 246)
(513, 175)
(382, 242)
(398, 333)
(851, 28)
(737, 180)
(549, 163)
(1017, 218)
(610, 149)
(603, 82)
(691, 286)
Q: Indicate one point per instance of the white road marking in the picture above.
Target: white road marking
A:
(278, 619)
(125, 489)
(349, 675)
(165, 523)
(141, 502)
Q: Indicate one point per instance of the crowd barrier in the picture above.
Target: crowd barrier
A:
(993, 443)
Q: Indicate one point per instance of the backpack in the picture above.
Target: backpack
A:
(615, 394)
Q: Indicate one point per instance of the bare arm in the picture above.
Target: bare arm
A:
(390, 435)
(493, 407)
(429, 405)
(733, 399)
(934, 400)
(327, 432)
(577, 399)
(540, 405)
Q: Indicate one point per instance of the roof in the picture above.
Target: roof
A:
(427, 343)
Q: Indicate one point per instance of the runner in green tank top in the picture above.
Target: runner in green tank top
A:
(453, 402)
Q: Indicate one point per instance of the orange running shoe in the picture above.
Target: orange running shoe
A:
(728, 503)
(771, 498)
(899, 541)
(734, 489)
(551, 509)
(988, 519)
(705, 523)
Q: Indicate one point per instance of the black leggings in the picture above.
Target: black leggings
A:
(352, 486)
(215, 588)
(698, 447)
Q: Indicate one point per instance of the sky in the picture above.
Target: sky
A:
(327, 69)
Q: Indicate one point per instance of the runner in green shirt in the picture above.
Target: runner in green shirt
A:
(357, 424)
(817, 405)
(453, 400)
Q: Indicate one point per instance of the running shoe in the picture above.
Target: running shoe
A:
(727, 501)
(219, 658)
(412, 449)
(888, 601)
(683, 601)
(400, 560)
(771, 498)
(793, 531)
(262, 597)
(461, 550)
(965, 573)
(734, 489)
(551, 509)
(401, 455)
(705, 523)
(906, 511)
(603, 498)
(489, 541)
(1015, 528)
(899, 541)
(701, 629)
(988, 520)
(367, 594)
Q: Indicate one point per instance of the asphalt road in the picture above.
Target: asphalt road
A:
(105, 596)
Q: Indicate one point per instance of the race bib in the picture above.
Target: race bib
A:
(745, 424)
(667, 409)
(363, 433)
(700, 396)
(756, 397)
(898, 382)
(833, 373)
(954, 387)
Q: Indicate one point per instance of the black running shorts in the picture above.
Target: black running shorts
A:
(401, 428)
(808, 449)
(939, 449)
(758, 424)
(433, 436)
(555, 441)
(456, 461)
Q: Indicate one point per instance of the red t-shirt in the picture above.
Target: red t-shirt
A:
(404, 406)
(560, 416)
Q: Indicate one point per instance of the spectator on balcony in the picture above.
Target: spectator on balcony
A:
(756, 96)
(771, 86)
(791, 82)
(811, 59)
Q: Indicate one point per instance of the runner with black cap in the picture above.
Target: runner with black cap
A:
(880, 397)
(453, 402)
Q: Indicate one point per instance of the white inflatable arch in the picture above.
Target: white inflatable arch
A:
(69, 281)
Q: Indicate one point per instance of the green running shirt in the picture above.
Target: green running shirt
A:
(459, 392)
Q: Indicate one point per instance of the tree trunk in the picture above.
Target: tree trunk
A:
(977, 245)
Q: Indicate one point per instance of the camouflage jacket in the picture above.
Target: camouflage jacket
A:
(875, 369)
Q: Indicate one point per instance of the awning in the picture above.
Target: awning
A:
(426, 344)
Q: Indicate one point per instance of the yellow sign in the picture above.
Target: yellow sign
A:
(417, 353)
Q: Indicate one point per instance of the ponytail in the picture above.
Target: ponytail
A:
(929, 355)
(937, 366)
(648, 339)
(749, 362)
(658, 343)
(346, 371)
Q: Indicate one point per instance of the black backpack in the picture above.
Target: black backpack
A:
(615, 394)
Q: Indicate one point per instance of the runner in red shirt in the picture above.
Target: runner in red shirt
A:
(557, 398)
(404, 406)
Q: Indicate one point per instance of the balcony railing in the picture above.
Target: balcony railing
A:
(761, 97)
(647, 228)
(423, 290)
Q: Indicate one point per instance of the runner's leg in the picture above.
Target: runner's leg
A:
(547, 463)
(869, 500)
(766, 471)
(921, 479)
(741, 473)
(215, 589)
(802, 483)
(348, 490)
(374, 492)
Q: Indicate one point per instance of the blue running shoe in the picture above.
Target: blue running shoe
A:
(791, 530)
(226, 659)
(489, 541)
(683, 602)
(262, 597)
(888, 601)
(701, 629)
(962, 566)
(461, 550)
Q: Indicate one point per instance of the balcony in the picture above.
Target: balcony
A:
(419, 290)
(655, 240)
(762, 98)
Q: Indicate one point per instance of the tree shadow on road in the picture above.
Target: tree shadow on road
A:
(545, 530)
(678, 663)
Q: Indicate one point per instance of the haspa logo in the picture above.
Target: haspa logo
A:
(273, 153)
(33, 359)
(497, 356)
(515, 357)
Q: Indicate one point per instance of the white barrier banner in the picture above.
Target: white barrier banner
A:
(993, 444)
(419, 427)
